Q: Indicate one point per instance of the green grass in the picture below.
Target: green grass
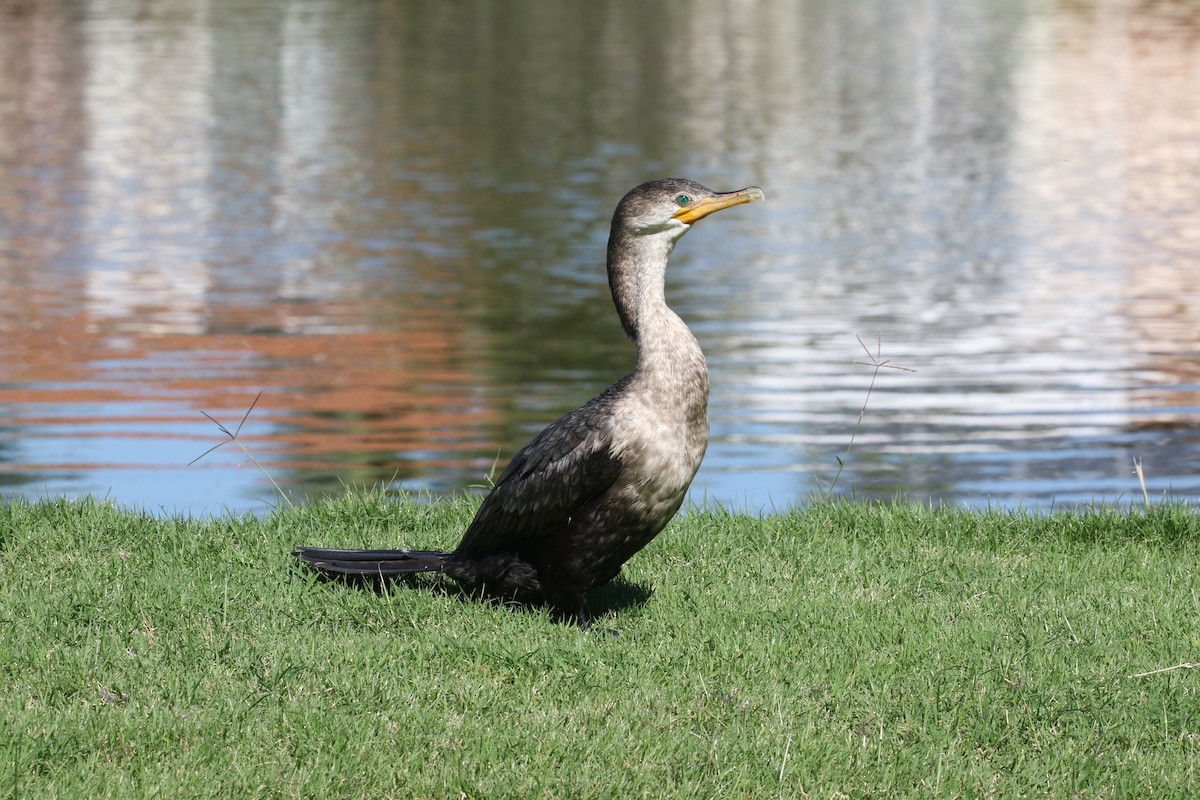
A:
(838, 650)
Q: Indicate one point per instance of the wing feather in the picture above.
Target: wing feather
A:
(564, 468)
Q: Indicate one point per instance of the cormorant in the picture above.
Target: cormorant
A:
(597, 485)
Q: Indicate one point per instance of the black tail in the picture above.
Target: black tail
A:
(372, 562)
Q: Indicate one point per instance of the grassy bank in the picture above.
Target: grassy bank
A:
(838, 650)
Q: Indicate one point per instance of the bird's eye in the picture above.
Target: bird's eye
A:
(683, 199)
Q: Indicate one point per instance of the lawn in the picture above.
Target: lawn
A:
(836, 650)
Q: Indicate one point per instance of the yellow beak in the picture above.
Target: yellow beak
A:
(699, 209)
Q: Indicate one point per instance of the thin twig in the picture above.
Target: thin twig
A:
(233, 437)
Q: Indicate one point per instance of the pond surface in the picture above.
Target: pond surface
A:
(389, 219)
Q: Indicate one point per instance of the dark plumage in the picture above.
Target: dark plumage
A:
(597, 485)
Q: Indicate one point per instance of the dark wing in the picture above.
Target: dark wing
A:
(564, 468)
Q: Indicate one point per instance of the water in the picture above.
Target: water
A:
(389, 219)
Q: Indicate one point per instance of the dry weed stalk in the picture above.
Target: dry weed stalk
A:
(233, 437)
(878, 364)
(1137, 467)
(1164, 669)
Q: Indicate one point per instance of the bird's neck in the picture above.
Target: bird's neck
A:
(667, 352)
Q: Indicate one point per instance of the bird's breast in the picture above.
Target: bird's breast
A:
(660, 434)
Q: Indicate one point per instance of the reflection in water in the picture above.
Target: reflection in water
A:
(390, 219)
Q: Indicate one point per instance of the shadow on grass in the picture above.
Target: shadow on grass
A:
(615, 597)
(618, 596)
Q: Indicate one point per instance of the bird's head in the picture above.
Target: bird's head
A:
(672, 205)
(648, 222)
